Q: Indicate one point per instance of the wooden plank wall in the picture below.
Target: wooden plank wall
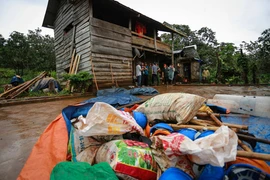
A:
(76, 14)
(111, 47)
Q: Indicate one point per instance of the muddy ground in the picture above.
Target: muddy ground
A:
(21, 125)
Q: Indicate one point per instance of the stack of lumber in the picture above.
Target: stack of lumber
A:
(211, 122)
(17, 90)
(73, 67)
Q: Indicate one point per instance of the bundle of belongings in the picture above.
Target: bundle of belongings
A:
(170, 136)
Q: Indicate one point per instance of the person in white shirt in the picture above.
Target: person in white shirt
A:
(139, 74)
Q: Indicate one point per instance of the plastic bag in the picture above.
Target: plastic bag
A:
(103, 119)
(179, 107)
(128, 159)
(215, 149)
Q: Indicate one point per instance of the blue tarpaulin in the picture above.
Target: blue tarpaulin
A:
(146, 91)
(259, 126)
(115, 100)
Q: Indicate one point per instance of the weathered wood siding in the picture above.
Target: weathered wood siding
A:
(111, 52)
(77, 36)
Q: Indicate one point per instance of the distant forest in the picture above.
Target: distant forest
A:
(225, 61)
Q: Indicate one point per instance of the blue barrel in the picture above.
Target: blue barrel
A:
(205, 133)
(174, 173)
(188, 132)
(212, 172)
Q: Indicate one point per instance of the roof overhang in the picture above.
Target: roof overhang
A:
(53, 6)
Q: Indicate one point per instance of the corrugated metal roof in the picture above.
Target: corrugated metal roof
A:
(53, 6)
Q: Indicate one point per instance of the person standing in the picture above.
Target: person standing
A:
(139, 74)
(142, 71)
(150, 74)
(171, 73)
(154, 74)
(145, 74)
(165, 74)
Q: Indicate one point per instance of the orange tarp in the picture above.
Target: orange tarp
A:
(50, 149)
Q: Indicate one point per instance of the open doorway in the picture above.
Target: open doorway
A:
(187, 72)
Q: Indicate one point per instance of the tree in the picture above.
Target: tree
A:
(34, 51)
(41, 51)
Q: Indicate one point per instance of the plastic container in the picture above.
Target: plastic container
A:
(188, 132)
(161, 126)
(204, 134)
(212, 172)
(140, 118)
(174, 173)
(246, 172)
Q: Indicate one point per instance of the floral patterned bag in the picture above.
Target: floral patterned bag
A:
(129, 159)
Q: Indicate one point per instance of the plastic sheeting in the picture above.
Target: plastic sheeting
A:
(44, 83)
(115, 100)
(258, 126)
(146, 91)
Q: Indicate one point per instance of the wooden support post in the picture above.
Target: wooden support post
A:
(130, 24)
(172, 48)
(155, 39)
(94, 72)
(111, 73)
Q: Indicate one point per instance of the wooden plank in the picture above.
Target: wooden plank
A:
(110, 26)
(82, 37)
(110, 43)
(155, 39)
(107, 65)
(109, 77)
(163, 47)
(82, 31)
(83, 47)
(82, 24)
(142, 36)
(82, 42)
(84, 51)
(114, 73)
(111, 51)
(100, 32)
(115, 70)
(143, 42)
(115, 61)
(96, 55)
(83, 15)
(150, 50)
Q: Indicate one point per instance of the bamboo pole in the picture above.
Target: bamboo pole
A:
(265, 141)
(253, 155)
(207, 122)
(177, 127)
(71, 62)
(244, 146)
(212, 115)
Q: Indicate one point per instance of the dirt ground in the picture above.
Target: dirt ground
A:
(21, 125)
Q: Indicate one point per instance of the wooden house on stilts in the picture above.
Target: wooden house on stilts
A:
(105, 34)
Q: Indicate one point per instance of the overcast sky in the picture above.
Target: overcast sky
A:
(232, 20)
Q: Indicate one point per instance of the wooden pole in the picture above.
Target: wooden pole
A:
(244, 146)
(207, 122)
(172, 48)
(155, 39)
(111, 73)
(214, 118)
(253, 155)
(177, 127)
(71, 62)
(265, 141)
(94, 73)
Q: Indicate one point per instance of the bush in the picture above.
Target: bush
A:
(80, 81)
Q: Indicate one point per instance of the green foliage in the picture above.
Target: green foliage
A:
(24, 52)
(80, 80)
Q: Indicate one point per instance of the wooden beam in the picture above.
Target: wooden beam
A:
(155, 39)
(130, 24)
(90, 8)
(172, 48)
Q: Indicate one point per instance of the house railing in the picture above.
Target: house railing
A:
(150, 44)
